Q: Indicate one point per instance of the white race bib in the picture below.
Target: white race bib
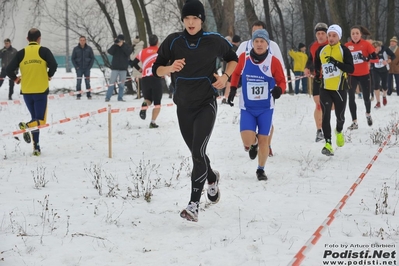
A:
(379, 64)
(330, 71)
(148, 71)
(356, 59)
(257, 91)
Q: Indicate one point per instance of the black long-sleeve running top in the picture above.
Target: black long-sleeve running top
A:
(193, 84)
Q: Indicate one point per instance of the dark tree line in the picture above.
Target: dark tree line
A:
(288, 21)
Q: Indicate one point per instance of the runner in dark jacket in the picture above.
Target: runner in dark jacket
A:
(379, 72)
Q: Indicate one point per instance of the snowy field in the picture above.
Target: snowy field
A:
(74, 205)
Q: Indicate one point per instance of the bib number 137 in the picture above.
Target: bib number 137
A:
(257, 90)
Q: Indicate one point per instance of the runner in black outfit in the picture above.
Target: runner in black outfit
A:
(192, 57)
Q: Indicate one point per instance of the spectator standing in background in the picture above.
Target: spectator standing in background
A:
(393, 67)
(120, 52)
(82, 60)
(6, 55)
(300, 58)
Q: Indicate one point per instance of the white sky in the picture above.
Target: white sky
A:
(255, 223)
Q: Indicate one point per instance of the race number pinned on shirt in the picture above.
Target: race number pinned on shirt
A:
(257, 91)
(148, 72)
(380, 63)
(356, 58)
(330, 71)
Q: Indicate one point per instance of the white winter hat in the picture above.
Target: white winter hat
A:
(335, 28)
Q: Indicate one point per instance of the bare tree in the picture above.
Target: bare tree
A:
(374, 22)
(340, 17)
(250, 13)
(284, 41)
(180, 4)
(308, 11)
(146, 17)
(140, 21)
(104, 10)
(224, 16)
(322, 8)
(268, 20)
(123, 22)
(84, 20)
(390, 20)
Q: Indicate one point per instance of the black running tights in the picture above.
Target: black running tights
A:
(196, 125)
(365, 85)
(327, 98)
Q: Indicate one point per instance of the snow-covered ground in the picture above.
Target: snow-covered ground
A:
(124, 210)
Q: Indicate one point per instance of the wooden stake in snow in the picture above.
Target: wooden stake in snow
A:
(109, 132)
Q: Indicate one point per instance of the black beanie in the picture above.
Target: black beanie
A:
(193, 8)
(153, 40)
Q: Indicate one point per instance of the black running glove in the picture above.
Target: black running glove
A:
(332, 60)
(232, 94)
(362, 57)
(276, 92)
(317, 80)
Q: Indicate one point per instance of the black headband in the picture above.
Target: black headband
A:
(320, 29)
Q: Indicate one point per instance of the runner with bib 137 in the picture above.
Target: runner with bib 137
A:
(262, 81)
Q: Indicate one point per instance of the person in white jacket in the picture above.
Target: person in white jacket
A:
(274, 49)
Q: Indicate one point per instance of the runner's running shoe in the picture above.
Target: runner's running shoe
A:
(190, 213)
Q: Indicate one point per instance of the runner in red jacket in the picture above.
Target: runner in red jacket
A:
(321, 40)
(363, 53)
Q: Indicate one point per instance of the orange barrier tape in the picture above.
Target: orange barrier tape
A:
(300, 256)
(66, 78)
(62, 121)
(84, 115)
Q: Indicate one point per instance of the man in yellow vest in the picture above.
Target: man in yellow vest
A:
(37, 65)
(300, 58)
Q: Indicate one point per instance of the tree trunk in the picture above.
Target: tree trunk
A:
(228, 18)
(308, 10)
(390, 20)
(180, 4)
(250, 14)
(358, 14)
(217, 10)
(123, 22)
(108, 17)
(339, 17)
(140, 21)
(373, 7)
(146, 18)
(284, 41)
(321, 6)
(266, 8)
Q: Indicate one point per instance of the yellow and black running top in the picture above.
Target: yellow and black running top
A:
(37, 64)
(333, 74)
